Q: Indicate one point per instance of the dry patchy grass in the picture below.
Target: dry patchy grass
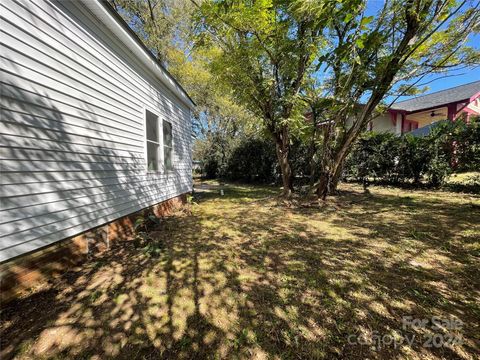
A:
(246, 276)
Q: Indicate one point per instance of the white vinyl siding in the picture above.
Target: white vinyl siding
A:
(72, 130)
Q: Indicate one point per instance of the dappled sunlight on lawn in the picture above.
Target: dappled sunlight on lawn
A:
(247, 276)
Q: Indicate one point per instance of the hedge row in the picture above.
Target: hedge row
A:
(383, 157)
(449, 147)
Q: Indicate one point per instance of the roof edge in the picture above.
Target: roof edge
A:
(103, 10)
(428, 108)
(474, 97)
(436, 92)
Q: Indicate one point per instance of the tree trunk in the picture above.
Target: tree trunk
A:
(323, 185)
(336, 178)
(312, 165)
(329, 176)
(332, 164)
(283, 149)
(312, 151)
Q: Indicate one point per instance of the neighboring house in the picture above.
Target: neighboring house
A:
(422, 112)
(93, 128)
(459, 102)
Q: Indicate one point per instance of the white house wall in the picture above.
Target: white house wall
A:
(383, 123)
(72, 127)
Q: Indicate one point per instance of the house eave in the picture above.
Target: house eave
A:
(474, 97)
(407, 112)
(103, 11)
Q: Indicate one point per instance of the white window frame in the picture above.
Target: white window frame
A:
(172, 147)
(160, 161)
(161, 155)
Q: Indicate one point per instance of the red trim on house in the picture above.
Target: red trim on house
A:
(474, 97)
(452, 111)
(469, 111)
(393, 117)
(435, 107)
(452, 114)
(409, 125)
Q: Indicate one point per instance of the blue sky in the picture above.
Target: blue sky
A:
(453, 78)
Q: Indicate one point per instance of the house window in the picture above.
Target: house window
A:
(167, 145)
(153, 144)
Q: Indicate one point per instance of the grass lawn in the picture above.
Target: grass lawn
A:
(247, 276)
(467, 181)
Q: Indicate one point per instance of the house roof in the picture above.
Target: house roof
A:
(439, 98)
(109, 17)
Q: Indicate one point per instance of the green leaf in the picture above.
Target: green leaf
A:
(348, 17)
(365, 21)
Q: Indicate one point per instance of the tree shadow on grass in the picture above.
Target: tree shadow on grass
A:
(243, 277)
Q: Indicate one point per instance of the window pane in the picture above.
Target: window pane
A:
(167, 153)
(152, 156)
(152, 126)
(167, 134)
(167, 145)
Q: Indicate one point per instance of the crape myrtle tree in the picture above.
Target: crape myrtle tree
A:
(338, 55)
(268, 48)
(371, 57)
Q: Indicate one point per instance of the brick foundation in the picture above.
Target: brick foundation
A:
(30, 270)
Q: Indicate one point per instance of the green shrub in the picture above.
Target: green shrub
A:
(142, 227)
(412, 158)
(252, 160)
(214, 156)
(450, 146)
(300, 159)
(373, 156)
(467, 145)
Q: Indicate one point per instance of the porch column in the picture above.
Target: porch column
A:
(452, 111)
(399, 124)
